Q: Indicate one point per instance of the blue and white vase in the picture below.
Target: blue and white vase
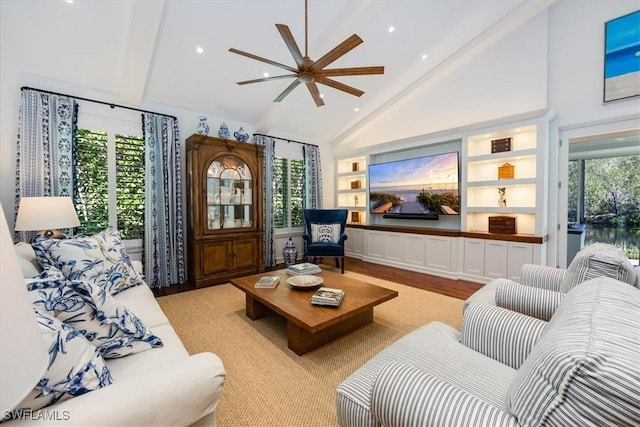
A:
(289, 253)
(223, 132)
(203, 127)
(241, 135)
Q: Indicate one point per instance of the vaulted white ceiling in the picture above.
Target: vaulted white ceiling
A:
(145, 51)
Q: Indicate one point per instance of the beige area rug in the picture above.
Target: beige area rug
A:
(269, 385)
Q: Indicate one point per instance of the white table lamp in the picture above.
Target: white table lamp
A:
(47, 215)
(23, 356)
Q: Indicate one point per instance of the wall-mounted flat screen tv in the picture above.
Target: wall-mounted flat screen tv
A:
(424, 186)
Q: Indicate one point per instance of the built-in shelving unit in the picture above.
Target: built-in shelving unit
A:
(469, 252)
(522, 190)
(352, 188)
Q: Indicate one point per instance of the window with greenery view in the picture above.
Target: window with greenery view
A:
(288, 192)
(94, 194)
(604, 193)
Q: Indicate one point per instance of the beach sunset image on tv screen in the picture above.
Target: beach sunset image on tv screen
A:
(425, 185)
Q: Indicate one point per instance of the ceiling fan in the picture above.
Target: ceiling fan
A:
(311, 72)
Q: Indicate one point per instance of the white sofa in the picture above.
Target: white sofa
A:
(163, 386)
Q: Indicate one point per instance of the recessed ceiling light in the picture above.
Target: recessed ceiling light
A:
(424, 56)
(265, 74)
(68, 1)
(199, 49)
(392, 29)
(356, 109)
(322, 95)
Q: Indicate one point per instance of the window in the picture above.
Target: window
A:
(288, 192)
(109, 168)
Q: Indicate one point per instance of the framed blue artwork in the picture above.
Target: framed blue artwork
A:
(622, 57)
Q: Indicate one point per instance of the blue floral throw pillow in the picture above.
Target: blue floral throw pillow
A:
(100, 259)
(75, 367)
(93, 312)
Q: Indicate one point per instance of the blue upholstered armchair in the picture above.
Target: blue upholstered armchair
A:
(324, 234)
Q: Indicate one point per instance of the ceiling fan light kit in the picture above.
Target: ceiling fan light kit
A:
(312, 72)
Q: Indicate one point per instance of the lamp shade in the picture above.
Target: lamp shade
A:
(46, 213)
(23, 356)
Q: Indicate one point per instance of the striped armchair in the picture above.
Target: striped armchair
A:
(508, 369)
(541, 288)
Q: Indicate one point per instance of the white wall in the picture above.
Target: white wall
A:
(502, 75)
(576, 69)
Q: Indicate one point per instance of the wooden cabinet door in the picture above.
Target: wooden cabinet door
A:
(217, 257)
(244, 253)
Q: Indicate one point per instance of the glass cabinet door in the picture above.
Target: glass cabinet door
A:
(229, 194)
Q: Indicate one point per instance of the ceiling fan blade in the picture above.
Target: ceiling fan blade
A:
(315, 93)
(288, 90)
(266, 79)
(259, 58)
(354, 71)
(291, 43)
(340, 86)
(336, 53)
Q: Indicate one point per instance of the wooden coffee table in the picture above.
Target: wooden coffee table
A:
(310, 326)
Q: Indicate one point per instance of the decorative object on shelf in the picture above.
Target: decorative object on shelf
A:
(506, 171)
(355, 185)
(355, 217)
(355, 167)
(223, 132)
(500, 145)
(289, 253)
(203, 126)
(502, 224)
(502, 197)
(355, 200)
(241, 135)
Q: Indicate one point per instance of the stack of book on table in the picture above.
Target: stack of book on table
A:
(268, 282)
(304, 268)
(328, 296)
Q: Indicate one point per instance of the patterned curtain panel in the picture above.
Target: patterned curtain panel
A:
(164, 254)
(44, 165)
(312, 176)
(267, 186)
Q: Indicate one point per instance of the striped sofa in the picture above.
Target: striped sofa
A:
(544, 287)
(508, 369)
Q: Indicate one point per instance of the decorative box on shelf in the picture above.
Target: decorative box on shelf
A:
(355, 217)
(355, 167)
(502, 224)
(500, 145)
(356, 185)
(506, 171)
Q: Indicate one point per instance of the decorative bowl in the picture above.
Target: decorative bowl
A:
(305, 281)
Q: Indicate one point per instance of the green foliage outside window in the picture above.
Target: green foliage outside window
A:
(92, 186)
(288, 192)
(92, 196)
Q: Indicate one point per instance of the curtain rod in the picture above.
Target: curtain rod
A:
(110, 104)
(284, 139)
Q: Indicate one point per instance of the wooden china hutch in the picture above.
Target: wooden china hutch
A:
(224, 199)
